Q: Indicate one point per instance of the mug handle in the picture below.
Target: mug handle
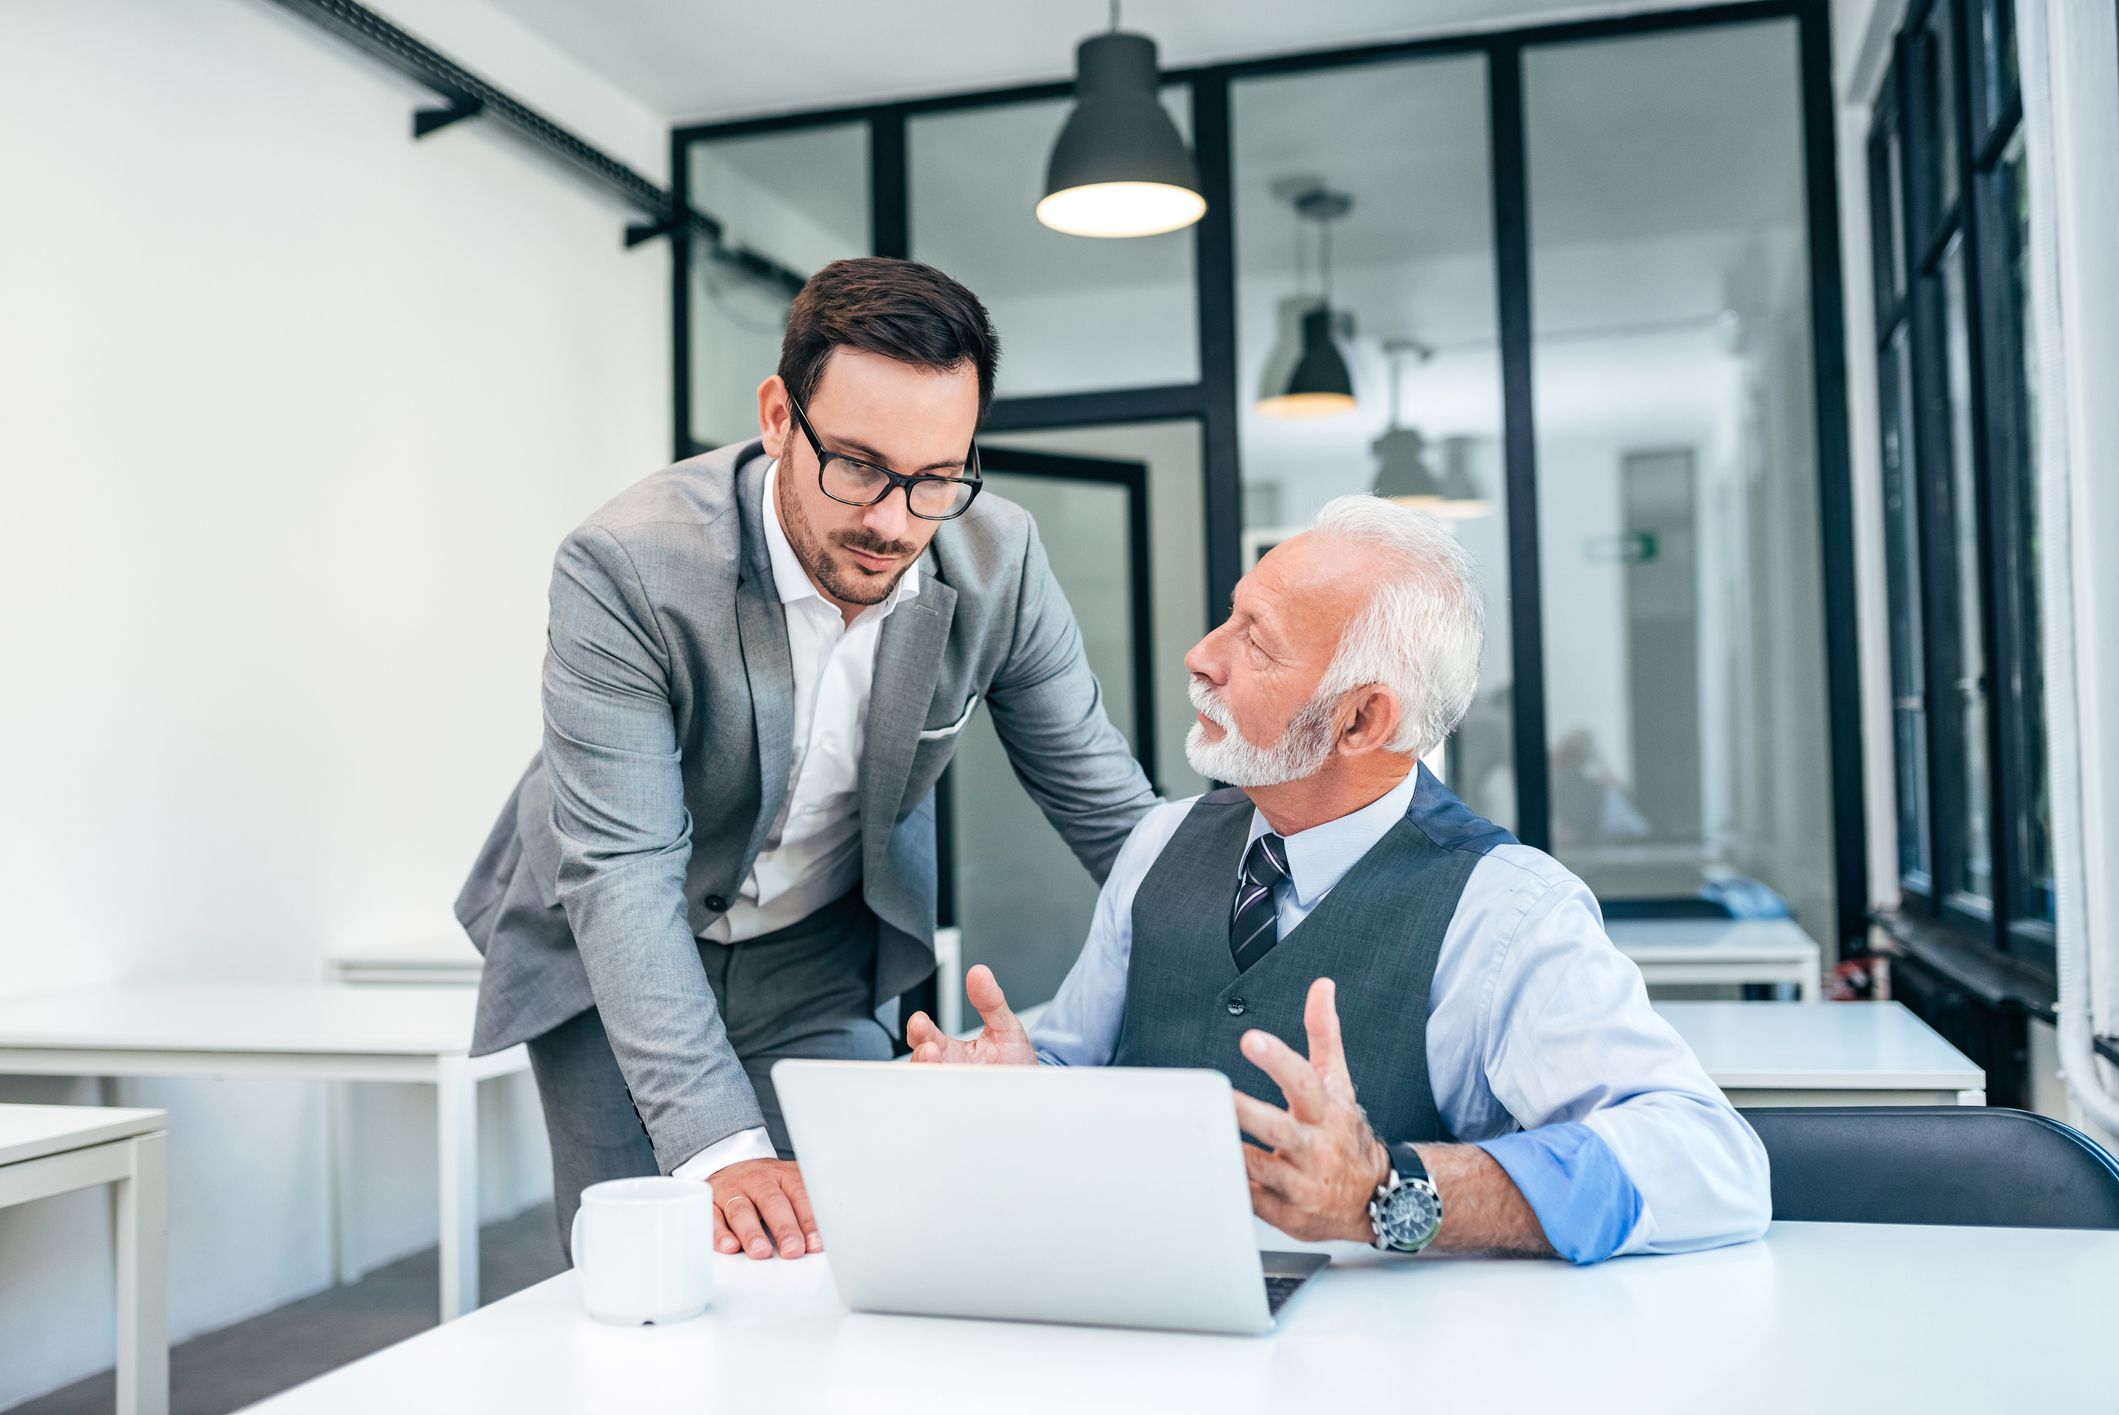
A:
(574, 1239)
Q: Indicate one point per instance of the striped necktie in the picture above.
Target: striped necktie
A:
(1256, 927)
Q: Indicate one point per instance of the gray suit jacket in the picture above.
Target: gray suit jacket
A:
(669, 707)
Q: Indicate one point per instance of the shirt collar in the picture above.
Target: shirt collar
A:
(792, 582)
(1319, 856)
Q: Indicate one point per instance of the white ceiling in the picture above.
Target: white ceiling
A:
(688, 59)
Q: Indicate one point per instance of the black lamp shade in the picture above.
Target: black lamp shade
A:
(1321, 383)
(1402, 473)
(1119, 167)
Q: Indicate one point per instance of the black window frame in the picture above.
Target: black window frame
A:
(1926, 623)
(1212, 401)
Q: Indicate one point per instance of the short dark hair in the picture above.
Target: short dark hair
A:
(900, 309)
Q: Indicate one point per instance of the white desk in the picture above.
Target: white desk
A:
(1818, 1317)
(56, 1149)
(404, 970)
(1830, 1053)
(426, 961)
(1721, 951)
(301, 1033)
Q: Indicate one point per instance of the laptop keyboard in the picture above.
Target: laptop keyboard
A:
(1279, 1290)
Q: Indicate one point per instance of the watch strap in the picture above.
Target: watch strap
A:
(1405, 1158)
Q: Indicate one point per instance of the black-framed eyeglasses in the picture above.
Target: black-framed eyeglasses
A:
(853, 482)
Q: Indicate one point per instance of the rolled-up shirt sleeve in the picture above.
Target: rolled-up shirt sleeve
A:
(1626, 1145)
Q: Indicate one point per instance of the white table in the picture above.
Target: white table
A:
(1818, 1317)
(418, 1035)
(1828, 1053)
(1721, 951)
(404, 970)
(56, 1149)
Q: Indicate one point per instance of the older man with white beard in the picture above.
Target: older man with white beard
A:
(1483, 1071)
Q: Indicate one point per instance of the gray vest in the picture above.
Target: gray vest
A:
(1377, 934)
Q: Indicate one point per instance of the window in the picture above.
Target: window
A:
(1074, 315)
(1956, 392)
(1678, 469)
(1562, 324)
(800, 200)
(1413, 289)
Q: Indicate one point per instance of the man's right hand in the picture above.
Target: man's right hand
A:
(753, 1196)
(1002, 1042)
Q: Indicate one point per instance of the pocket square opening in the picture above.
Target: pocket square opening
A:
(932, 734)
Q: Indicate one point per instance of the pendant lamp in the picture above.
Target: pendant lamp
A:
(1118, 167)
(1320, 383)
(1402, 471)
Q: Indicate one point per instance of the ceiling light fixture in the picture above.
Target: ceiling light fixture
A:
(1118, 167)
(1402, 472)
(1320, 384)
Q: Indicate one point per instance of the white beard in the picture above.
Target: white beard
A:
(1301, 750)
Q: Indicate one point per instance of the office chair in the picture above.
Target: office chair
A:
(1975, 1165)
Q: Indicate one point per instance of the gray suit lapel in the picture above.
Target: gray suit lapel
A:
(908, 659)
(761, 623)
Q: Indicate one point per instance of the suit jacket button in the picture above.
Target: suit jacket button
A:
(716, 903)
(1236, 1007)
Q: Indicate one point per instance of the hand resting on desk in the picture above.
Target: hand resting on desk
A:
(754, 1197)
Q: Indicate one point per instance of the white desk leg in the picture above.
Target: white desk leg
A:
(338, 1143)
(1809, 987)
(456, 1101)
(141, 1203)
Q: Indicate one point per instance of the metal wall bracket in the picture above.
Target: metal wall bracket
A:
(433, 120)
(640, 231)
(464, 94)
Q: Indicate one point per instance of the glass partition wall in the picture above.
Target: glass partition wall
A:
(1678, 470)
(1583, 278)
(1413, 295)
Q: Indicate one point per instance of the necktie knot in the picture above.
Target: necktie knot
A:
(1266, 862)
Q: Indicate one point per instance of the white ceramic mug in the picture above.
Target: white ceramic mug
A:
(645, 1249)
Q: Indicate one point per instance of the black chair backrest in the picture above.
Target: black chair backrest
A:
(1682, 907)
(1975, 1165)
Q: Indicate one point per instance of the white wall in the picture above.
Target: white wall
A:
(292, 414)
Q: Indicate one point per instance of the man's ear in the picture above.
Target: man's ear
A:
(776, 419)
(1372, 723)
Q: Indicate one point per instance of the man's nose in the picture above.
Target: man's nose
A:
(889, 518)
(1200, 660)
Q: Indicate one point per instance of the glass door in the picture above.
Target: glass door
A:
(1009, 882)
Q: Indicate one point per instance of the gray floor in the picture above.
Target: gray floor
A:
(228, 1369)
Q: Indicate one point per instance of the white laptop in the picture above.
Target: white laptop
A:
(1105, 1195)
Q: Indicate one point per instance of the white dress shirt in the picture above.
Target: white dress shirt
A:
(812, 855)
(1535, 1019)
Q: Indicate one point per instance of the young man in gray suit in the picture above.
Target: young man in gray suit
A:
(759, 661)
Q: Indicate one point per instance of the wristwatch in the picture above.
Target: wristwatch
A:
(1407, 1211)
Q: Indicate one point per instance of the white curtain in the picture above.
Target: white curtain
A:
(2070, 77)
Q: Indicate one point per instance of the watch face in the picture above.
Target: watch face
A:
(1411, 1215)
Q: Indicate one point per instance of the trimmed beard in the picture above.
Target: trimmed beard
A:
(1300, 752)
(809, 548)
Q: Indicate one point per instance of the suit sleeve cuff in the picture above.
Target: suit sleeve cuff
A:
(753, 1144)
(1574, 1184)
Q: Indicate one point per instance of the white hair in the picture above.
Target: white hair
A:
(1422, 633)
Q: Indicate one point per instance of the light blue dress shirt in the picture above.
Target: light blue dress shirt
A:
(1541, 1046)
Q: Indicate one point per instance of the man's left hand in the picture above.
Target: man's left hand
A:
(1323, 1163)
